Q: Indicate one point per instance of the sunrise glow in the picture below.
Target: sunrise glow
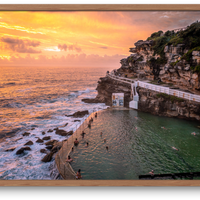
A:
(78, 38)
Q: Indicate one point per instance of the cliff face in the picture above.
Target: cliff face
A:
(107, 86)
(165, 105)
(149, 101)
(172, 57)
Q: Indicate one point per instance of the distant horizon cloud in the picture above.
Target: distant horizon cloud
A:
(69, 47)
(68, 60)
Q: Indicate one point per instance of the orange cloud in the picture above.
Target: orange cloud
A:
(90, 35)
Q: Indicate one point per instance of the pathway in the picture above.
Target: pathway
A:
(157, 88)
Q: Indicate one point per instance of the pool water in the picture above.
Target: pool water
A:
(137, 143)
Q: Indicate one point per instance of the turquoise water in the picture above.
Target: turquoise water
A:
(136, 145)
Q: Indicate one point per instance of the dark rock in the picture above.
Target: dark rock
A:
(70, 133)
(43, 133)
(77, 120)
(79, 114)
(63, 132)
(32, 128)
(11, 149)
(56, 148)
(66, 124)
(46, 138)
(55, 129)
(26, 134)
(51, 142)
(29, 143)
(43, 151)
(86, 100)
(48, 157)
(20, 151)
(39, 140)
(49, 131)
(49, 147)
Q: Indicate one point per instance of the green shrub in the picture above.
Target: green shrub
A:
(197, 69)
(174, 63)
(169, 97)
(175, 40)
(188, 56)
(160, 44)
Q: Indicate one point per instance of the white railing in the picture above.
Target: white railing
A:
(157, 88)
(122, 79)
(169, 91)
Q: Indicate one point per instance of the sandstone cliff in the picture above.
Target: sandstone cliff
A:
(173, 57)
(166, 105)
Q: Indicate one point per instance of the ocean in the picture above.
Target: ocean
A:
(36, 99)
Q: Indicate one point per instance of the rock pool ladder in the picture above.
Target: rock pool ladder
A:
(134, 103)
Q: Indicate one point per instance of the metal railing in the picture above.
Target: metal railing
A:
(157, 88)
(166, 90)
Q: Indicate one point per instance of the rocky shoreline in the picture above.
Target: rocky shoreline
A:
(52, 146)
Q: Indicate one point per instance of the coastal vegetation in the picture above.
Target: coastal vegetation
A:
(189, 38)
(169, 97)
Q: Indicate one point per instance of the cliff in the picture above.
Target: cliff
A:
(172, 57)
(166, 105)
(106, 87)
(150, 101)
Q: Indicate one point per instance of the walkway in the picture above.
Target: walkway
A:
(64, 168)
(157, 88)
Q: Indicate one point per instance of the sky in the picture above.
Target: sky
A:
(80, 38)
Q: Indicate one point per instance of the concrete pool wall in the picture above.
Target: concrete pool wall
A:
(65, 169)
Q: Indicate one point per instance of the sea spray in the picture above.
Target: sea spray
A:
(36, 107)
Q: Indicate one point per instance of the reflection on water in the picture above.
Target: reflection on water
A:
(137, 143)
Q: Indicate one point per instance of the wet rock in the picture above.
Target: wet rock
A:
(43, 133)
(70, 133)
(11, 149)
(20, 151)
(63, 132)
(26, 134)
(86, 100)
(39, 140)
(49, 131)
(79, 114)
(49, 147)
(29, 143)
(48, 157)
(43, 151)
(46, 138)
(56, 148)
(51, 142)
(33, 129)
